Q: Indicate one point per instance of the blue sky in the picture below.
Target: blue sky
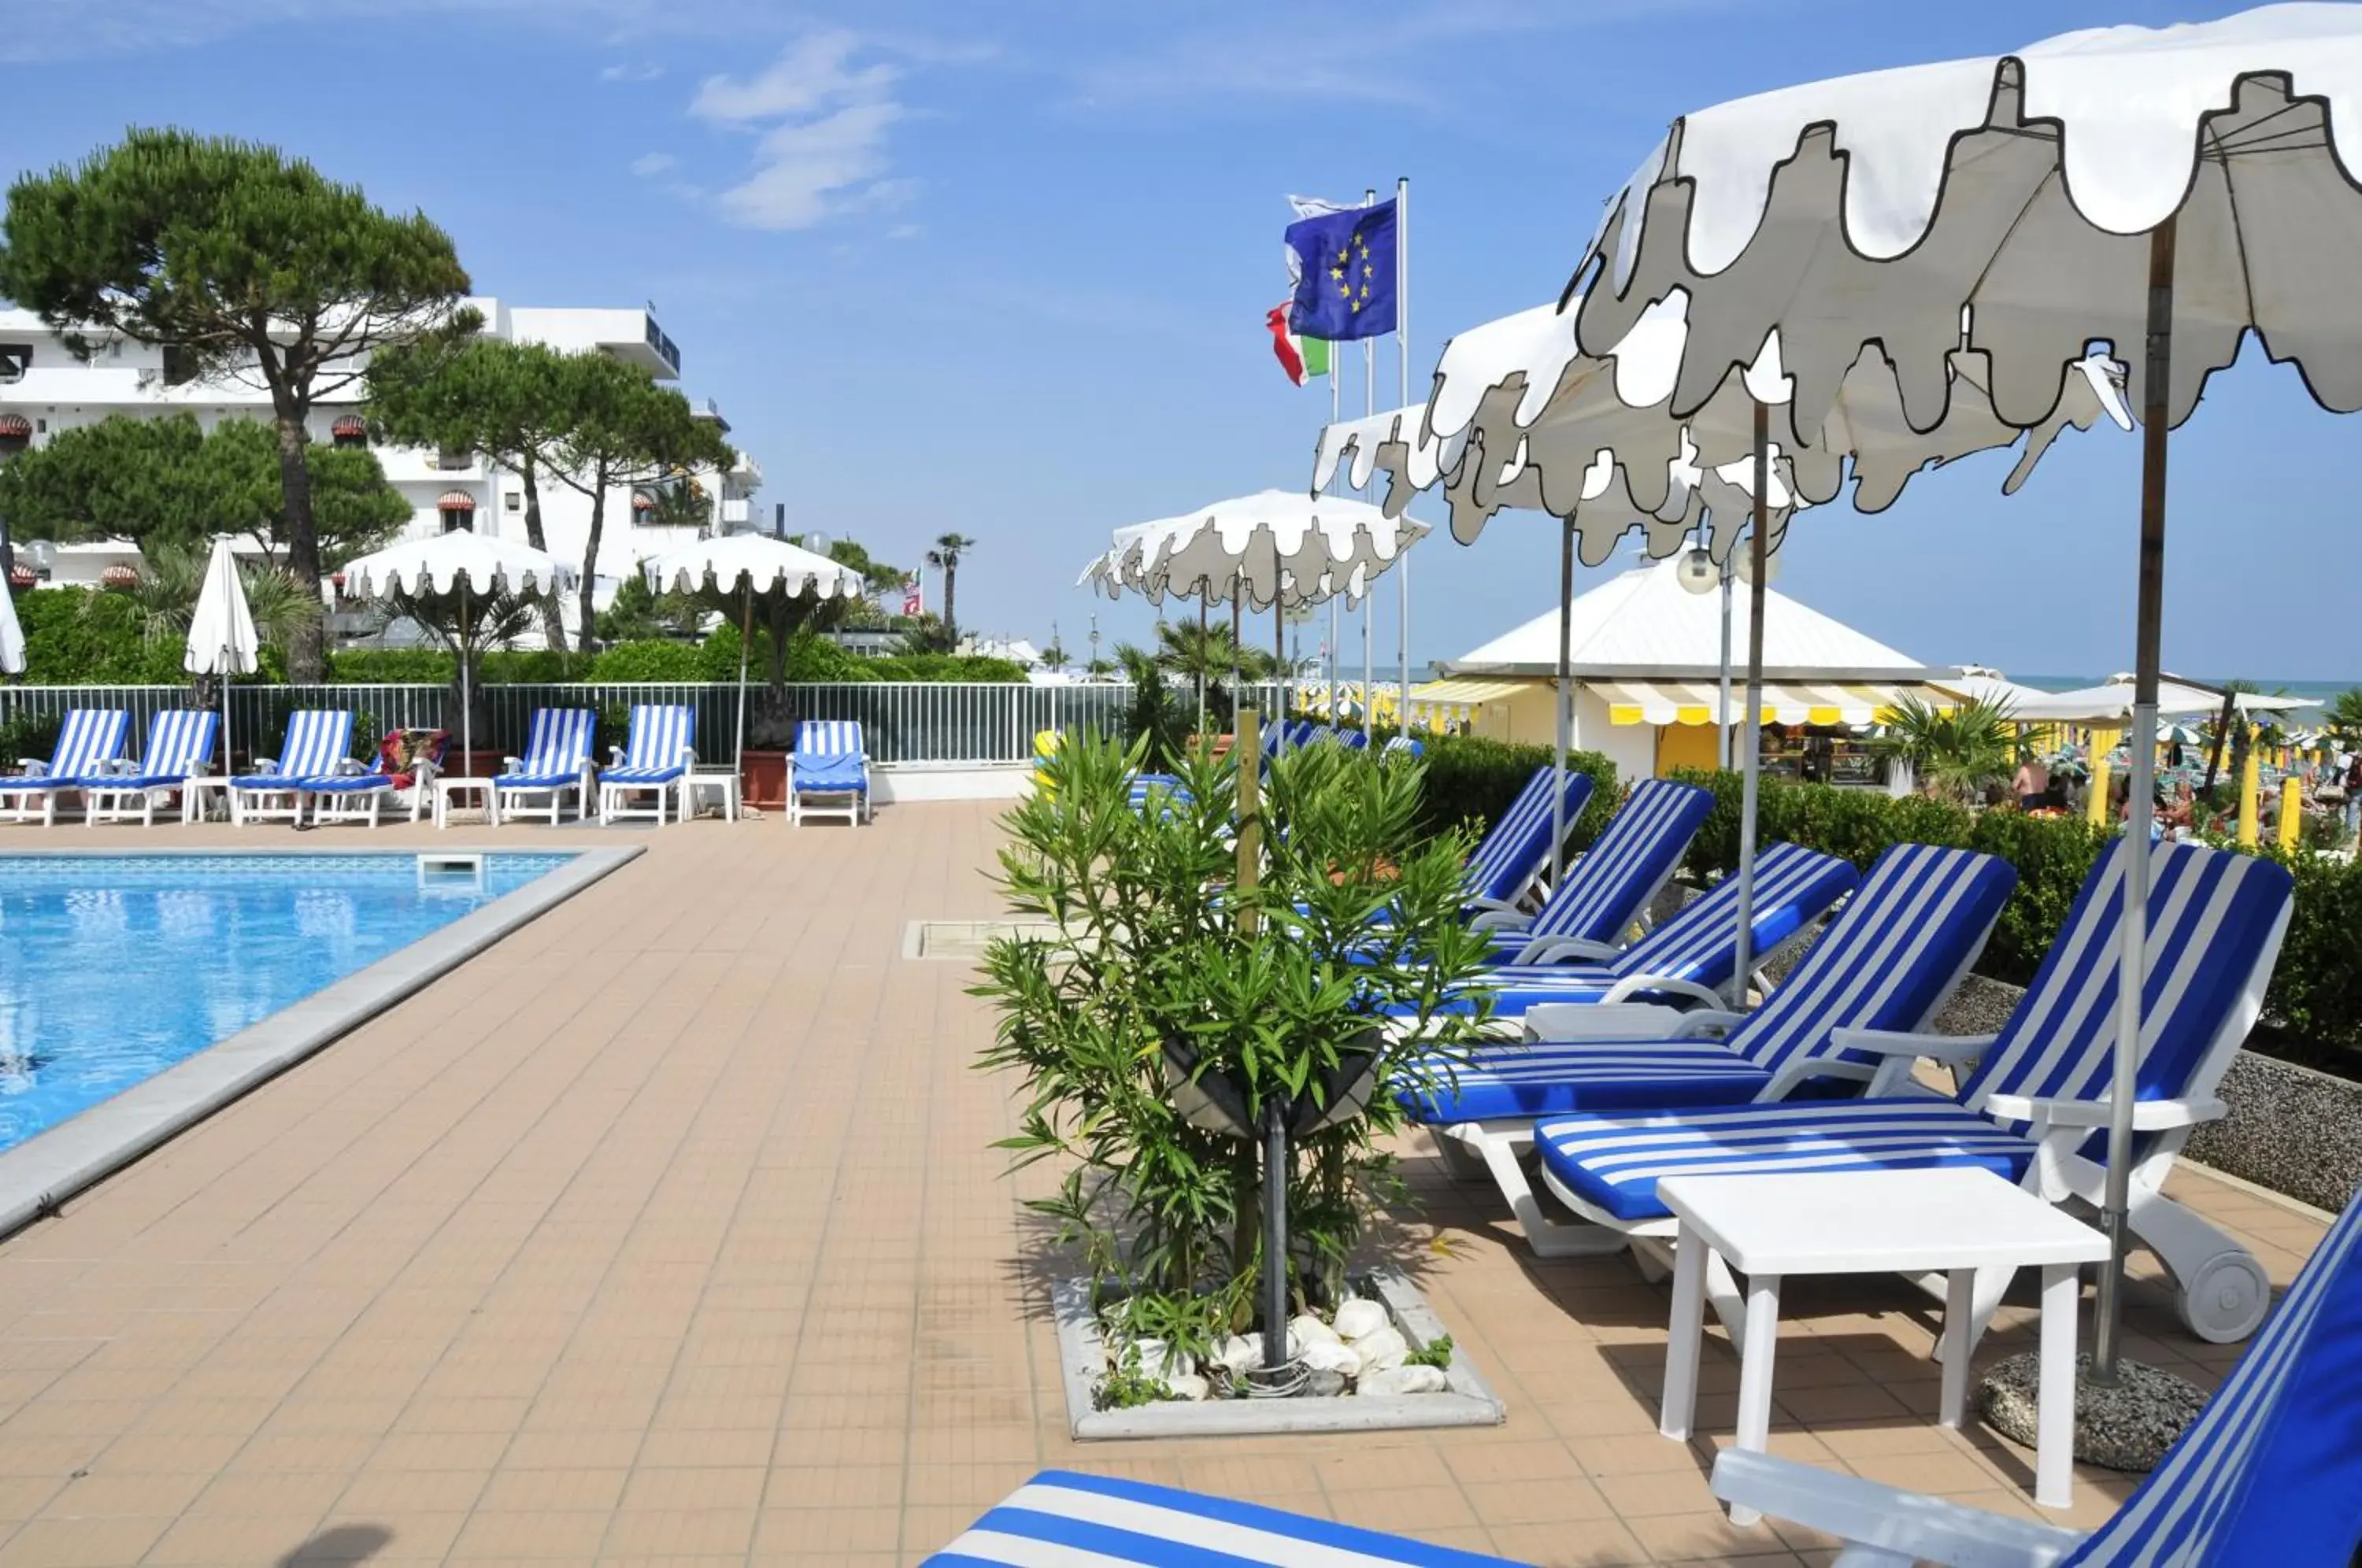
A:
(1003, 269)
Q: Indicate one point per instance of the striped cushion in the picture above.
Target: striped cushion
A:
(1517, 845)
(317, 743)
(828, 758)
(556, 749)
(87, 741)
(179, 744)
(1888, 960)
(816, 739)
(1614, 1163)
(2272, 1471)
(656, 750)
(1606, 889)
(1097, 1521)
(2213, 917)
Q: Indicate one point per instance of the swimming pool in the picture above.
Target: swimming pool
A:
(114, 968)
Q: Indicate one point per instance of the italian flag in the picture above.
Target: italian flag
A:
(1299, 356)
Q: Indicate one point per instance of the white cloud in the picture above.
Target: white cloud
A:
(823, 123)
(650, 164)
(646, 72)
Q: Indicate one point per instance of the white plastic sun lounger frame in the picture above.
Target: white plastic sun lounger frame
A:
(2223, 1292)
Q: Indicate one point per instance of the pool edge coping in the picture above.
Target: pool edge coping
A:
(41, 1174)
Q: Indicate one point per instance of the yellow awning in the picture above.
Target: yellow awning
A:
(1784, 702)
(1467, 691)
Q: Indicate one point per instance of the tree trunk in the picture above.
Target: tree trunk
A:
(2222, 734)
(552, 624)
(590, 553)
(307, 655)
(951, 605)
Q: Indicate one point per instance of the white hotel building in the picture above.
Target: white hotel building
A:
(45, 388)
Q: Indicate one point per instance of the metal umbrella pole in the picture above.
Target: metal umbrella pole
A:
(1565, 713)
(746, 640)
(2132, 959)
(1722, 696)
(1750, 728)
(467, 699)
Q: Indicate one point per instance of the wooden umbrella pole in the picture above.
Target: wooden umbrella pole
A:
(2132, 969)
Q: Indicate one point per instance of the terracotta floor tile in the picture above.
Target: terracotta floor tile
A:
(669, 1230)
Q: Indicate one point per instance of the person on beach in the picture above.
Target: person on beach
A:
(2033, 785)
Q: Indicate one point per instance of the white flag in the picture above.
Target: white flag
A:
(1308, 207)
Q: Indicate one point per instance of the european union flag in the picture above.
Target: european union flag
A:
(1347, 287)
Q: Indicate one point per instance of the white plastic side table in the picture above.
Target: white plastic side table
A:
(1952, 1222)
(198, 796)
(449, 788)
(723, 782)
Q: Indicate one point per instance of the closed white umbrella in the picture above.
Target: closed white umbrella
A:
(470, 563)
(749, 564)
(2173, 189)
(222, 639)
(12, 635)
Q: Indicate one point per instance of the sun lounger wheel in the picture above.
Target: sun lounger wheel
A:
(2223, 1300)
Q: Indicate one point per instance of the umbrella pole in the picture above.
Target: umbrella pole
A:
(1722, 723)
(225, 667)
(1279, 658)
(1565, 661)
(1200, 661)
(1369, 671)
(1750, 728)
(2107, 1336)
(746, 638)
(466, 707)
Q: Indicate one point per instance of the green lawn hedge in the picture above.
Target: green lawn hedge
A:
(1473, 780)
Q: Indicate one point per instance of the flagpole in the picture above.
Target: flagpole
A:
(1402, 356)
(1369, 410)
(1335, 412)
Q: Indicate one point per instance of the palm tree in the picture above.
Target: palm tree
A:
(164, 596)
(1207, 657)
(1956, 753)
(2343, 716)
(945, 559)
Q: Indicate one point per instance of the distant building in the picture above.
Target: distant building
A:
(49, 388)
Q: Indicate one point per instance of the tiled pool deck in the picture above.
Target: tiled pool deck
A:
(669, 1231)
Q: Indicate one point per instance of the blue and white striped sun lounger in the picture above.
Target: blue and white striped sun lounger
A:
(1516, 850)
(180, 747)
(1098, 1521)
(2028, 1110)
(88, 739)
(830, 764)
(2270, 1473)
(1687, 960)
(556, 761)
(312, 759)
(1611, 884)
(1402, 745)
(1889, 961)
(654, 758)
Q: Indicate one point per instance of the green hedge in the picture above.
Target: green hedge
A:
(1472, 781)
(74, 636)
(2316, 991)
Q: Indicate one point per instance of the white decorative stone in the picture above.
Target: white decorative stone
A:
(1160, 1362)
(1187, 1386)
(1403, 1380)
(1357, 1317)
(1239, 1352)
(1378, 1351)
(1333, 1357)
(1307, 1330)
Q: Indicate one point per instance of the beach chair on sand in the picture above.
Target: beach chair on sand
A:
(1685, 962)
(557, 763)
(1611, 884)
(180, 747)
(2035, 1108)
(830, 765)
(1100, 1522)
(1890, 960)
(2270, 1473)
(86, 741)
(654, 758)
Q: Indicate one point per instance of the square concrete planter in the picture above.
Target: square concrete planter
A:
(1465, 1401)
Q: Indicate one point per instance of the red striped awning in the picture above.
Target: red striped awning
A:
(643, 502)
(454, 501)
(15, 426)
(350, 425)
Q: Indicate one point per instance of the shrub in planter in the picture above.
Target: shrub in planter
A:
(1273, 989)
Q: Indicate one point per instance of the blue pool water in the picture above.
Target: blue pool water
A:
(112, 969)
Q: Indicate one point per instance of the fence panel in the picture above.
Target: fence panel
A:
(902, 722)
